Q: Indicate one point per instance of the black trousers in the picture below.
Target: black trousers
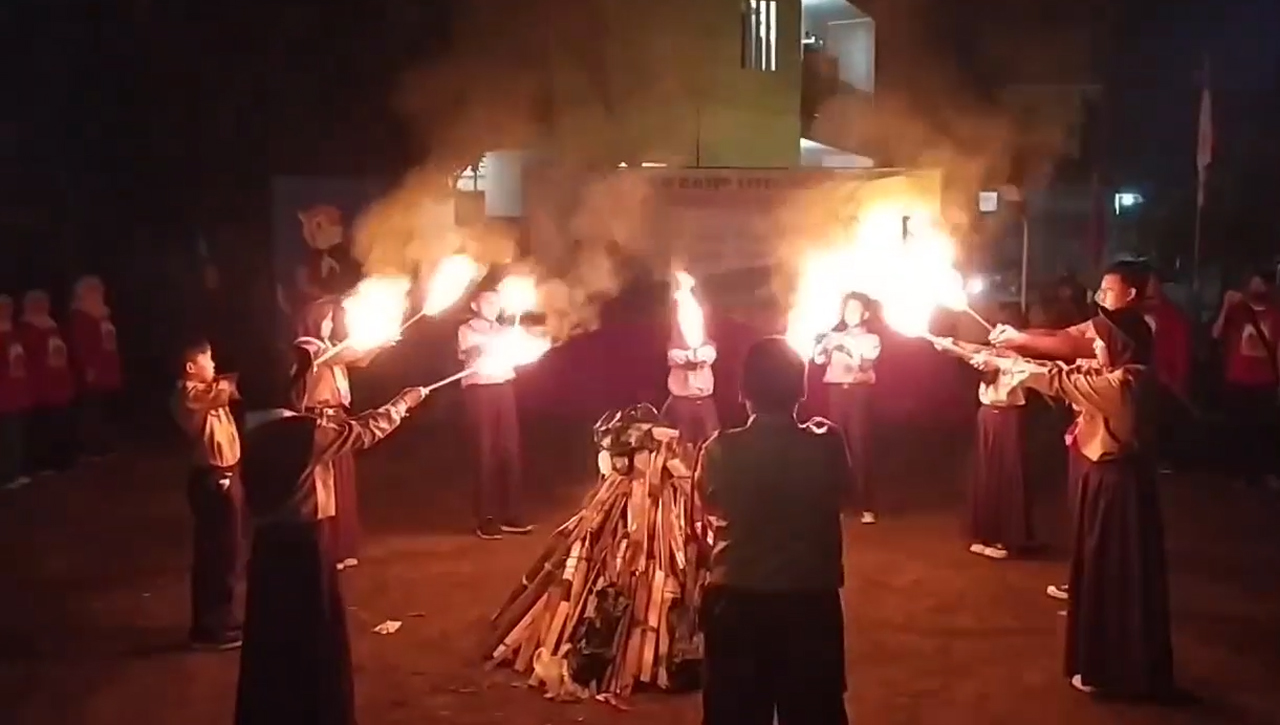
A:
(850, 409)
(495, 430)
(96, 415)
(773, 653)
(217, 505)
(695, 418)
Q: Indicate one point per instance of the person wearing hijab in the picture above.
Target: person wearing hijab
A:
(15, 400)
(691, 407)
(849, 352)
(295, 661)
(326, 392)
(53, 387)
(1118, 629)
(96, 358)
(772, 614)
(1121, 288)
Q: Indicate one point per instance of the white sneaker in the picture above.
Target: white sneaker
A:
(1078, 683)
(868, 517)
(995, 552)
(1058, 591)
(349, 562)
(16, 483)
(978, 549)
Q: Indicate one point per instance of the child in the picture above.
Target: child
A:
(14, 399)
(52, 386)
(691, 382)
(849, 351)
(201, 405)
(490, 399)
(97, 362)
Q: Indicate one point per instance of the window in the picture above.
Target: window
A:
(760, 35)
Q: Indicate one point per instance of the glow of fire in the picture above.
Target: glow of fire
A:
(375, 310)
(449, 281)
(517, 294)
(910, 277)
(689, 317)
(513, 347)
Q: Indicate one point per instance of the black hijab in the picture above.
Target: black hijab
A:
(1126, 334)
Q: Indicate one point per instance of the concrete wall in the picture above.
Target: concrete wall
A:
(663, 82)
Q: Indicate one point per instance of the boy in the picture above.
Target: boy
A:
(201, 405)
(772, 616)
(490, 399)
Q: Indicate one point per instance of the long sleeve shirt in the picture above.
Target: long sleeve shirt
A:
(48, 364)
(1003, 387)
(288, 463)
(204, 413)
(14, 393)
(1111, 405)
(473, 337)
(849, 355)
(328, 385)
(691, 375)
(774, 490)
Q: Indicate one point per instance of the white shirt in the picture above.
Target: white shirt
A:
(691, 375)
(848, 355)
(1005, 391)
(473, 336)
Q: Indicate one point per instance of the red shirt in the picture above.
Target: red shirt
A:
(1245, 355)
(93, 348)
(1172, 333)
(15, 395)
(52, 384)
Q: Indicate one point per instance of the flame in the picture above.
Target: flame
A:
(518, 293)
(449, 281)
(689, 317)
(910, 277)
(375, 310)
(511, 348)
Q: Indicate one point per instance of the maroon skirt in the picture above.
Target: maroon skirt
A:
(999, 503)
(1118, 628)
(295, 665)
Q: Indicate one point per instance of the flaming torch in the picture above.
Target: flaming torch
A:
(517, 294)
(689, 317)
(373, 312)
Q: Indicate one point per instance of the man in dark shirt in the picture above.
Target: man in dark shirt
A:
(772, 615)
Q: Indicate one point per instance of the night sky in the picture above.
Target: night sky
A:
(136, 120)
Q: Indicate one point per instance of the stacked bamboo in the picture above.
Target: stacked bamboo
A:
(611, 601)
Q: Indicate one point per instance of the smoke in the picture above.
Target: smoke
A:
(514, 66)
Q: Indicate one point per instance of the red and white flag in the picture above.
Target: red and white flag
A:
(1204, 143)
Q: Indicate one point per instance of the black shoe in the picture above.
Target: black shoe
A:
(516, 528)
(489, 530)
(220, 643)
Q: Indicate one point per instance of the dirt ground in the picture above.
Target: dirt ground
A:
(94, 604)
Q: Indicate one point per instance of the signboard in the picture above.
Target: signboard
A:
(711, 220)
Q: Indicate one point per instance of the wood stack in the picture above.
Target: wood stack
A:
(611, 602)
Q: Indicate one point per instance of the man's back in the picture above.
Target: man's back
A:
(774, 488)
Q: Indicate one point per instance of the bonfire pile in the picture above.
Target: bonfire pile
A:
(612, 600)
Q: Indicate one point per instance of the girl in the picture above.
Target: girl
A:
(1118, 640)
(97, 362)
(999, 517)
(849, 351)
(691, 382)
(52, 385)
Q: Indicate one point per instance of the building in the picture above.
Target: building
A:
(708, 84)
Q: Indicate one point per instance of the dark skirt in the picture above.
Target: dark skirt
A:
(295, 666)
(346, 520)
(695, 418)
(999, 503)
(1118, 637)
